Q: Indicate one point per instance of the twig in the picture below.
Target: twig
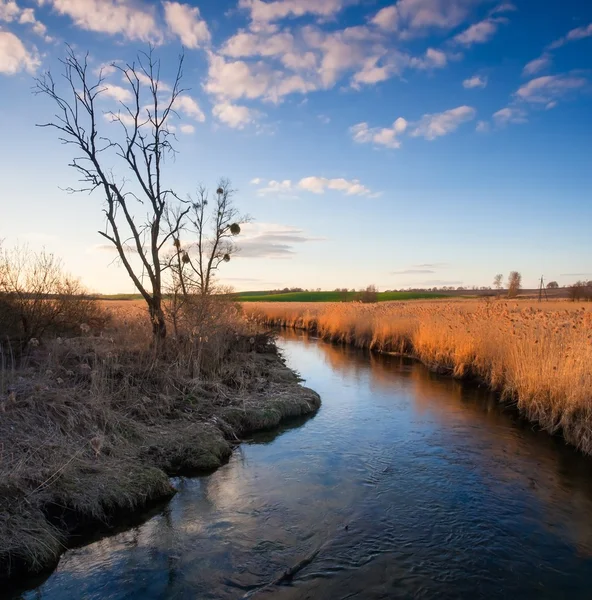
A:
(287, 575)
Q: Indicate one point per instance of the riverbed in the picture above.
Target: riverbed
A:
(409, 485)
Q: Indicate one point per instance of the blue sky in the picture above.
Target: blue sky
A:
(415, 143)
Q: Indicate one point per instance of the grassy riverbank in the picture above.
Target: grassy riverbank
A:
(538, 355)
(91, 427)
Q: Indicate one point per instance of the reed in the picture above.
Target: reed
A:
(537, 355)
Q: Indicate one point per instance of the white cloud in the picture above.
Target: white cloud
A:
(510, 114)
(306, 59)
(372, 73)
(9, 10)
(258, 44)
(233, 115)
(145, 80)
(105, 69)
(431, 126)
(14, 57)
(387, 18)
(315, 185)
(274, 187)
(271, 240)
(185, 21)
(125, 118)
(238, 79)
(280, 9)
(482, 127)
(318, 185)
(117, 92)
(476, 81)
(538, 64)
(27, 17)
(413, 17)
(132, 20)
(504, 7)
(187, 129)
(341, 51)
(433, 59)
(188, 106)
(437, 58)
(387, 136)
(480, 32)
(579, 33)
(548, 88)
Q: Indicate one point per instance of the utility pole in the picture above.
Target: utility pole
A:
(542, 290)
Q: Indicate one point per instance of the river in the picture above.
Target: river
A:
(409, 485)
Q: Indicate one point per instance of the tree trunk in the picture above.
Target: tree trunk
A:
(158, 321)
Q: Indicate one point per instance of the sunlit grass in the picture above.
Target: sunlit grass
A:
(539, 355)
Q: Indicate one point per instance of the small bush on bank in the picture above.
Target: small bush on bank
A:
(38, 299)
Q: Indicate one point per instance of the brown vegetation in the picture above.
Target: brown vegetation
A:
(37, 298)
(538, 355)
(92, 425)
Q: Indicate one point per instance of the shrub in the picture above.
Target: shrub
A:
(514, 284)
(38, 299)
(369, 295)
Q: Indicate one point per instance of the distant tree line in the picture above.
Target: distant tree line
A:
(581, 290)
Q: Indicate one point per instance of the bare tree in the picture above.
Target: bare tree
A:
(498, 281)
(211, 231)
(144, 141)
(552, 285)
(514, 284)
(580, 290)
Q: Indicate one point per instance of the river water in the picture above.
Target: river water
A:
(407, 484)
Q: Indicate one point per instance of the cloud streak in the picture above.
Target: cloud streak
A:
(270, 240)
(430, 126)
(313, 185)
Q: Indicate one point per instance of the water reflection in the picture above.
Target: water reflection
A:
(411, 485)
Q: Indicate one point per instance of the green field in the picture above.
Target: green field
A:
(261, 296)
(332, 296)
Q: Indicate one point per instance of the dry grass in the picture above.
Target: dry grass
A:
(539, 355)
(91, 426)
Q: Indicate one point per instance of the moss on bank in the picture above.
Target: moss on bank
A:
(79, 460)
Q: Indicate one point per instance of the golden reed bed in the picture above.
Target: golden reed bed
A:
(539, 355)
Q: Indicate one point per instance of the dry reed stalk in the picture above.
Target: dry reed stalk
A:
(538, 355)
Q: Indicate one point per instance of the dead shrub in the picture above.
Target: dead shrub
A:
(38, 299)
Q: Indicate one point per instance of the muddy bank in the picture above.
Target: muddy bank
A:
(77, 464)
